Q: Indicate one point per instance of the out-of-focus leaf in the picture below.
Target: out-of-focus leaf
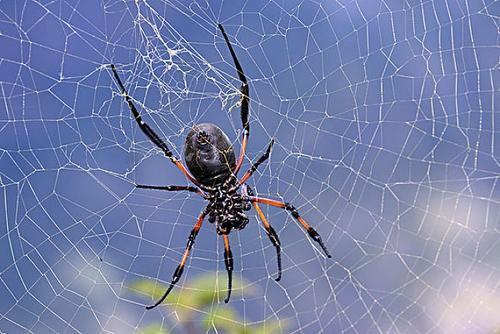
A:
(154, 329)
(208, 289)
(154, 290)
(175, 299)
(203, 291)
(202, 296)
(268, 327)
(225, 319)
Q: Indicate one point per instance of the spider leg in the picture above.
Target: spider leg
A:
(271, 233)
(178, 272)
(290, 208)
(171, 188)
(150, 132)
(244, 101)
(256, 165)
(228, 260)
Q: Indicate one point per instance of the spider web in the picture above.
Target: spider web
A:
(386, 142)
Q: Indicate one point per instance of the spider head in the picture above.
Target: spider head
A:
(208, 154)
(225, 226)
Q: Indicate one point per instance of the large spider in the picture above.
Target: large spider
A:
(213, 168)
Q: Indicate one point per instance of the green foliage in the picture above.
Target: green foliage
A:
(226, 319)
(199, 302)
(154, 329)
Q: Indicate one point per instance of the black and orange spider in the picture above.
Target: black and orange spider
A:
(213, 168)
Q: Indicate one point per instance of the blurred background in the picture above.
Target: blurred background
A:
(387, 141)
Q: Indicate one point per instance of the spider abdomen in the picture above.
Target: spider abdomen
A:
(208, 154)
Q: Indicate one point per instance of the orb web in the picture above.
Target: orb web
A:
(383, 115)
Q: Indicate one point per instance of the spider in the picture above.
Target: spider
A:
(212, 167)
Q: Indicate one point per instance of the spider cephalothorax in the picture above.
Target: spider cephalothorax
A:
(213, 169)
(226, 209)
